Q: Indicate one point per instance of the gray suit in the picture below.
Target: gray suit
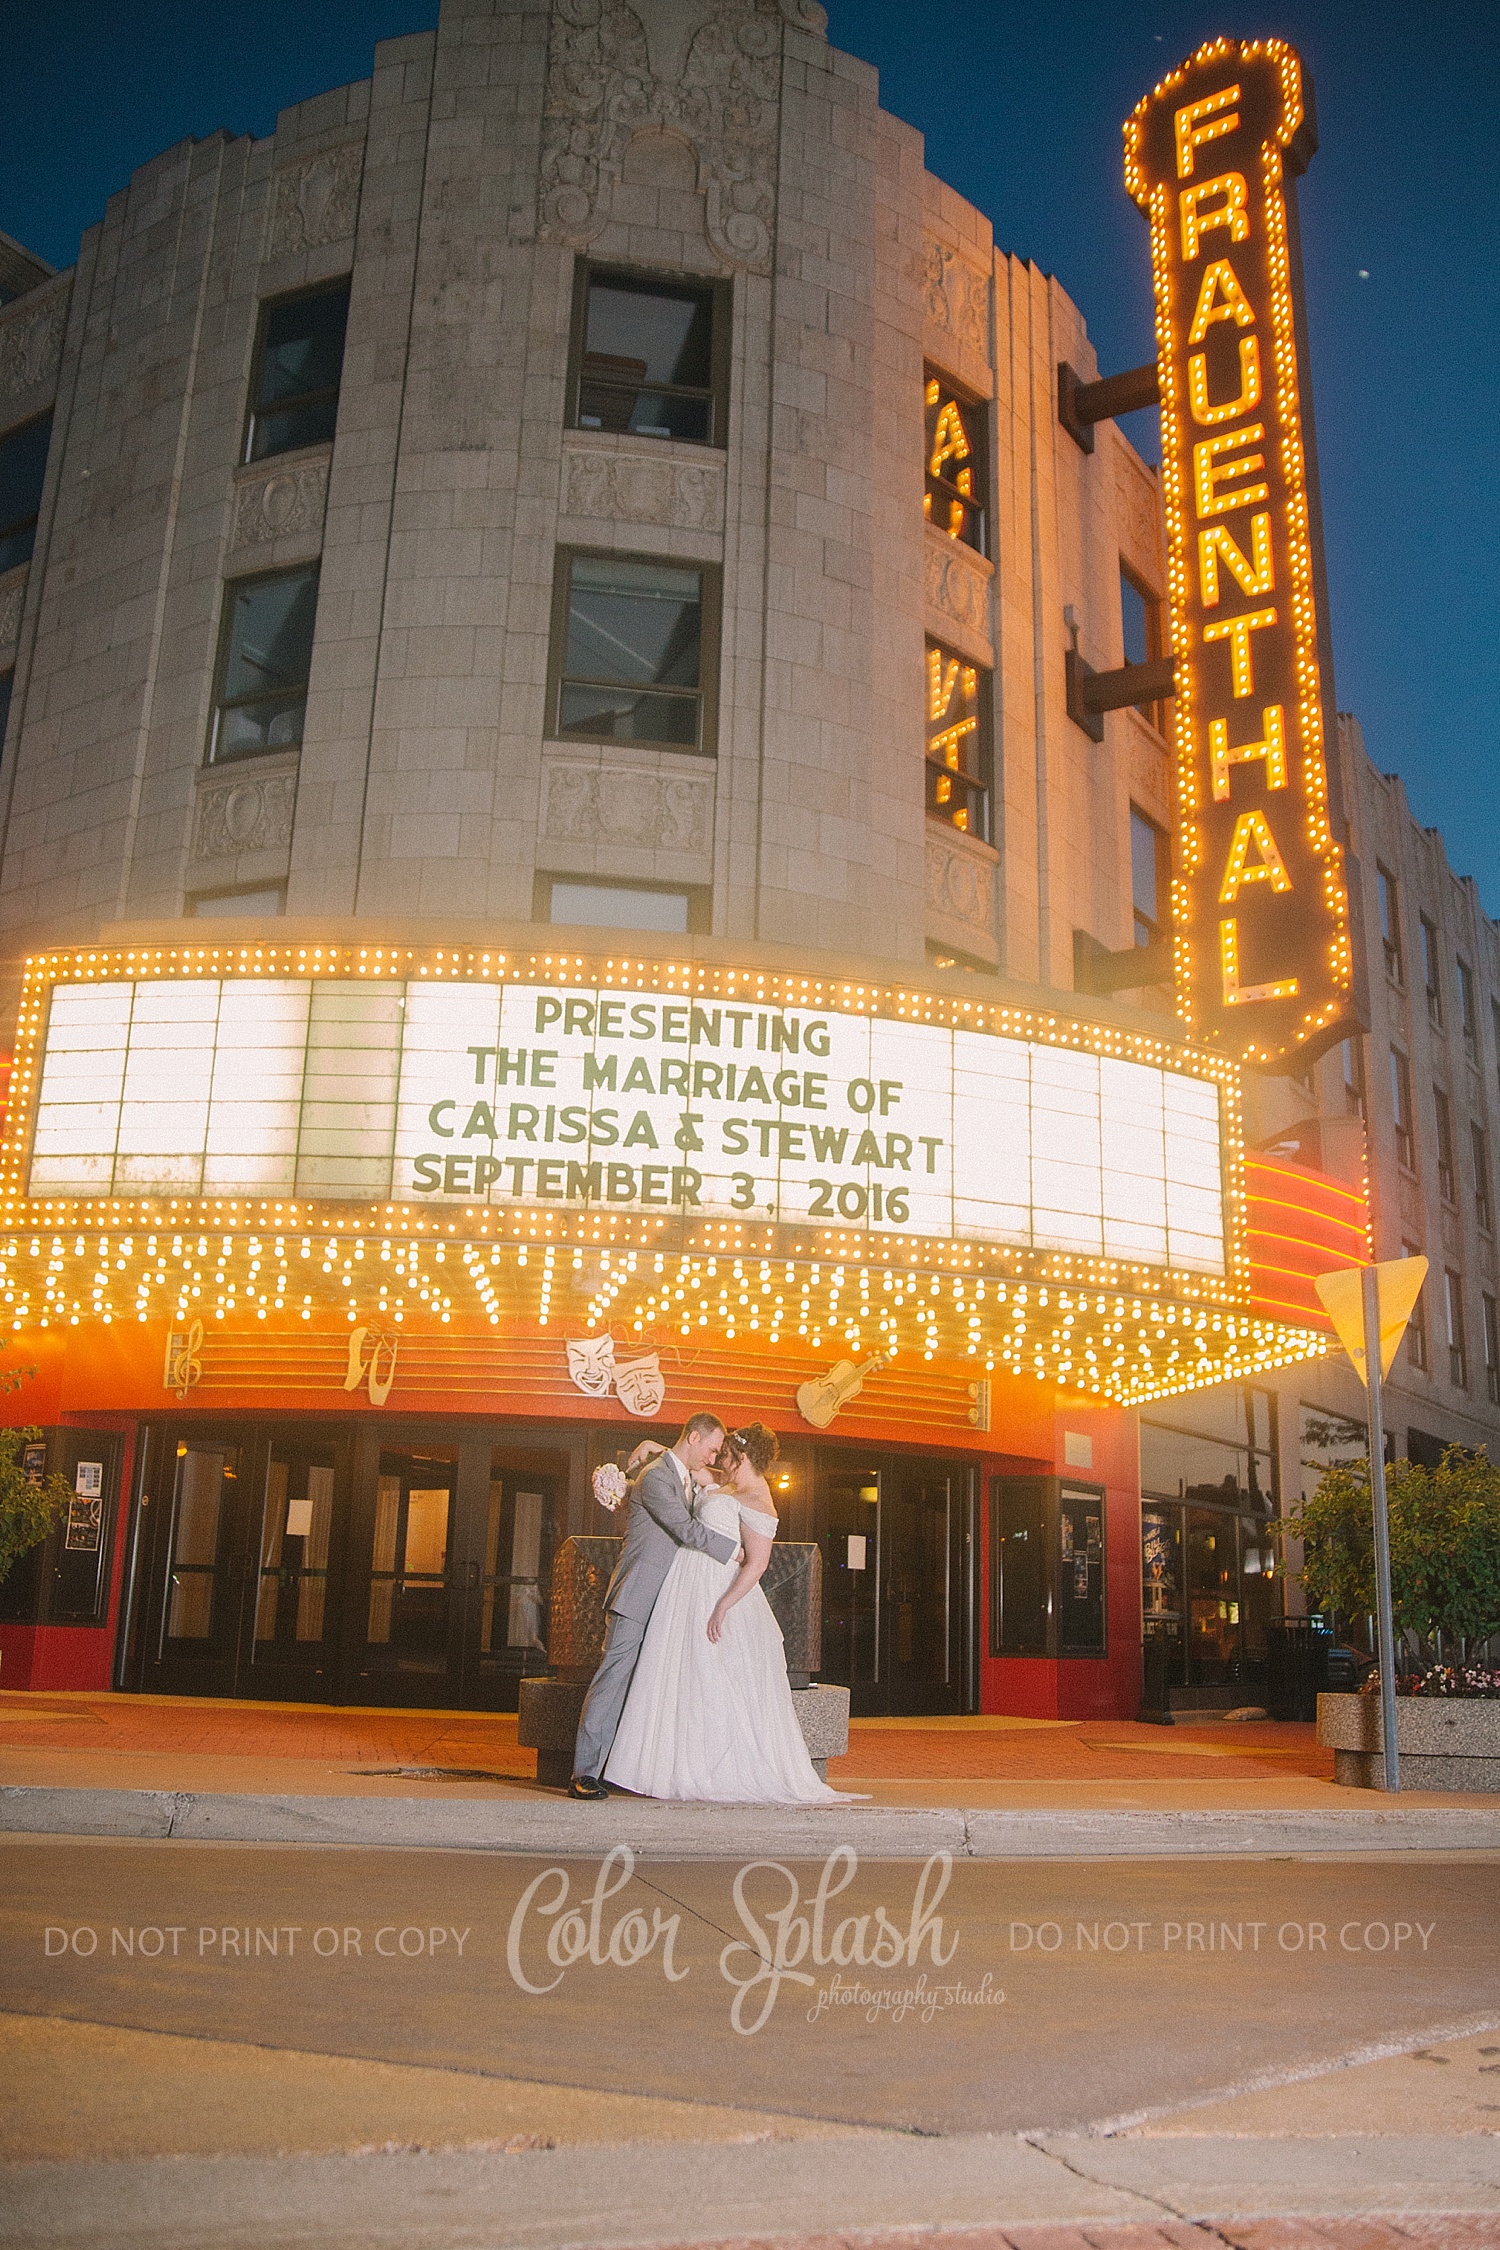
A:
(658, 1524)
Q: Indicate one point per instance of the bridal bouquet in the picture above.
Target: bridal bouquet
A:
(610, 1486)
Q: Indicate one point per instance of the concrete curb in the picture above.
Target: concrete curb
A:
(961, 2189)
(669, 1832)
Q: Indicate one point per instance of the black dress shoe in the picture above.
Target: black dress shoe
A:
(584, 1785)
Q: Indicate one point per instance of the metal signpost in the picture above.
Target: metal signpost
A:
(1370, 1307)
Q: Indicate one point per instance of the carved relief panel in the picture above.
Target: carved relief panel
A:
(316, 200)
(724, 100)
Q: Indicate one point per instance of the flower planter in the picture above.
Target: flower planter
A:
(1445, 1742)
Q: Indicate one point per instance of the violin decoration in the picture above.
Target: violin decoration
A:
(820, 1400)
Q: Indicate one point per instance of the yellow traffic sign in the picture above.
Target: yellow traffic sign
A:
(1398, 1284)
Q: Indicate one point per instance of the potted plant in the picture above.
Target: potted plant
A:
(1445, 1593)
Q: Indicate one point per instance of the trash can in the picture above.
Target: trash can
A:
(1297, 1650)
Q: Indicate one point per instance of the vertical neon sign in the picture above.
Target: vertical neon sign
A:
(1263, 957)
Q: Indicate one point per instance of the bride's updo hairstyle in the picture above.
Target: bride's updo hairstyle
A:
(757, 1445)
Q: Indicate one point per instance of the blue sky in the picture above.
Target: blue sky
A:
(1021, 107)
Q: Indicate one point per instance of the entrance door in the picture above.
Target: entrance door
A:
(200, 1537)
(921, 1505)
(408, 1647)
(893, 1530)
(290, 1633)
(506, 1626)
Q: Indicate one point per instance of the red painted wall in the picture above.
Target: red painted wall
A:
(1078, 1687)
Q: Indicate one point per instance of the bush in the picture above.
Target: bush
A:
(27, 1511)
(1445, 1545)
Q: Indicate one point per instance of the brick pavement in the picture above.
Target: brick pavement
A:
(1089, 1750)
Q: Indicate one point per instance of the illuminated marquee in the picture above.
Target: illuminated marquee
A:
(485, 1095)
(1263, 951)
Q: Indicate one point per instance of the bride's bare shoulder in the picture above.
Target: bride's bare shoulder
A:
(757, 1494)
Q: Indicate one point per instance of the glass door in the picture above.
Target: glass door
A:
(409, 1652)
(195, 1626)
(289, 1647)
(507, 1625)
(919, 1588)
(848, 1519)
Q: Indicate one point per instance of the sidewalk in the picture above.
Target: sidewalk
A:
(168, 1766)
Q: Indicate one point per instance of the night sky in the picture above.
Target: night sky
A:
(1022, 107)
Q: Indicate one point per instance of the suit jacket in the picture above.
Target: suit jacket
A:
(658, 1524)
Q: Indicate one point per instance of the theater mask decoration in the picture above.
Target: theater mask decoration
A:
(640, 1385)
(591, 1366)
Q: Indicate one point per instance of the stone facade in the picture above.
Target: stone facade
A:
(457, 187)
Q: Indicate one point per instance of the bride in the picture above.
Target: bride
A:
(710, 1712)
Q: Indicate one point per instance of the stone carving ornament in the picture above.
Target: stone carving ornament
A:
(629, 487)
(315, 201)
(956, 298)
(959, 885)
(625, 805)
(31, 346)
(244, 813)
(281, 504)
(955, 588)
(602, 90)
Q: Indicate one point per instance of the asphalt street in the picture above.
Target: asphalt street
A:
(999, 1998)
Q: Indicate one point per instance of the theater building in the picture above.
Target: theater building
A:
(554, 875)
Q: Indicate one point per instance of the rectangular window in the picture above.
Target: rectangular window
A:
(1416, 1329)
(628, 652)
(1443, 1119)
(1484, 1208)
(1150, 877)
(1406, 1152)
(1458, 1355)
(1143, 635)
(264, 663)
(622, 906)
(23, 467)
(1468, 1011)
(957, 463)
(1492, 1349)
(1432, 974)
(1354, 1076)
(1390, 925)
(298, 369)
(647, 356)
(958, 747)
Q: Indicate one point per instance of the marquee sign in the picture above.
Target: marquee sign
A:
(475, 1095)
(1262, 935)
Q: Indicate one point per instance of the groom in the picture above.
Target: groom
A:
(660, 1521)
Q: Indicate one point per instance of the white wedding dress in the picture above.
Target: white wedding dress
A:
(714, 1720)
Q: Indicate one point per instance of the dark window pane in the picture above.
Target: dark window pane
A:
(267, 658)
(634, 623)
(1144, 858)
(661, 335)
(614, 715)
(606, 403)
(297, 385)
(1134, 618)
(310, 424)
(23, 465)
